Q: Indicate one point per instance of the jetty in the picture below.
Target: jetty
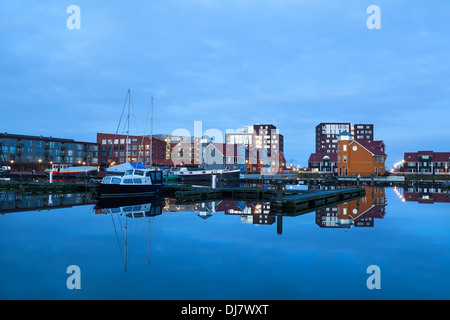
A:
(290, 202)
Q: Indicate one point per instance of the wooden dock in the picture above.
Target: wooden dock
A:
(291, 202)
(302, 203)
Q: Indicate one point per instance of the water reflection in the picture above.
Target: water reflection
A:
(356, 213)
(11, 201)
(121, 210)
(423, 194)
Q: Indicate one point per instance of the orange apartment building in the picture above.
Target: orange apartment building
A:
(359, 157)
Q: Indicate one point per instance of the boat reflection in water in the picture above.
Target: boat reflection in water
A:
(122, 209)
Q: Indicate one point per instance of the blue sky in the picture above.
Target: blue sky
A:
(292, 63)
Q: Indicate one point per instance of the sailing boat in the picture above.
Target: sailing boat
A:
(131, 179)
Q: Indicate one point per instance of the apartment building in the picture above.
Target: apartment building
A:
(427, 162)
(326, 134)
(26, 152)
(113, 149)
(264, 147)
(262, 136)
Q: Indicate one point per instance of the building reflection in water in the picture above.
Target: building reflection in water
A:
(11, 201)
(423, 194)
(356, 213)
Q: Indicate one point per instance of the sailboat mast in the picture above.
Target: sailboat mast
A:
(151, 134)
(128, 127)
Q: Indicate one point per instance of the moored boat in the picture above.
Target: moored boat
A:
(134, 182)
(66, 171)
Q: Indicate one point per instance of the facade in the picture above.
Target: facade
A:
(326, 134)
(261, 136)
(363, 131)
(26, 153)
(113, 150)
(427, 162)
(263, 148)
(323, 162)
(360, 157)
(223, 156)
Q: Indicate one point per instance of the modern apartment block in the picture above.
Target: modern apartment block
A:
(427, 162)
(326, 134)
(262, 136)
(264, 147)
(26, 153)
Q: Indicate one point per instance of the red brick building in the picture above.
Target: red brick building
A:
(113, 150)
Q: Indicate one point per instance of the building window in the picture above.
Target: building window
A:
(344, 158)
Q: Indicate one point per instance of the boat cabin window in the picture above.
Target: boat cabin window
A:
(137, 180)
(139, 172)
(106, 180)
(129, 172)
(116, 180)
(128, 181)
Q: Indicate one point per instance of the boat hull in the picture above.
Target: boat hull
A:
(118, 190)
(74, 174)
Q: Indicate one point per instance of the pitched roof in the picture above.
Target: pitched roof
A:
(344, 133)
(318, 157)
(437, 156)
(371, 146)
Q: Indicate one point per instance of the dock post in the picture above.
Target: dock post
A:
(51, 176)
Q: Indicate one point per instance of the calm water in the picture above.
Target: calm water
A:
(228, 249)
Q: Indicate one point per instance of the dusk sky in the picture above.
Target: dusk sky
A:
(227, 63)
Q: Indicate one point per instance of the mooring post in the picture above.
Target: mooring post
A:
(279, 192)
(213, 181)
(51, 176)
